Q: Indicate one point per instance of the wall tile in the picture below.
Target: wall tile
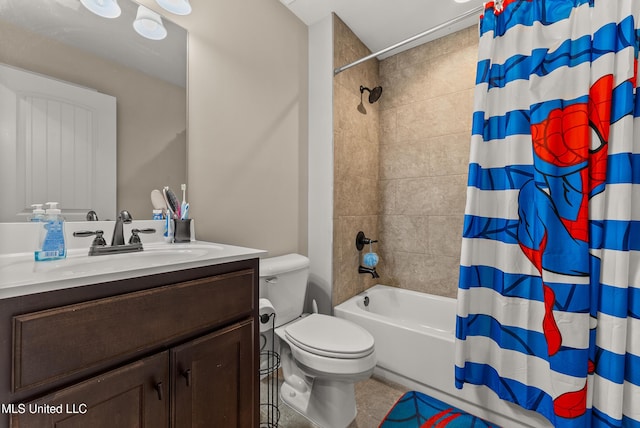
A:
(433, 275)
(454, 72)
(404, 160)
(356, 162)
(354, 156)
(443, 115)
(357, 196)
(388, 126)
(434, 49)
(440, 195)
(444, 235)
(424, 150)
(405, 86)
(388, 190)
(417, 137)
(449, 154)
(405, 233)
(348, 282)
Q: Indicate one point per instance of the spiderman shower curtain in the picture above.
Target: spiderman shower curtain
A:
(549, 292)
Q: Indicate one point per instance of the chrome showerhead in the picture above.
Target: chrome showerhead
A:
(374, 94)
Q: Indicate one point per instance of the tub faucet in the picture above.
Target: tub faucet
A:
(371, 270)
(118, 233)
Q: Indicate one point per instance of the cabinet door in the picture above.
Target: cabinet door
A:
(133, 396)
(215, 380)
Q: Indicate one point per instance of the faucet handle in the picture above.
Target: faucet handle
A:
(97, 242)
(135, 238)
(362, 240)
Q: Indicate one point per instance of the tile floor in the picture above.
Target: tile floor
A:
(374, 398)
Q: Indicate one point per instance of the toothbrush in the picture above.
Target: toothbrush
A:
(185, 211)
(184, 205)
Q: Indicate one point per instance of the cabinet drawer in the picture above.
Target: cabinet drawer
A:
(53, 344)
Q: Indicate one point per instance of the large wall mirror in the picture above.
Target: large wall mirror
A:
(146, 79)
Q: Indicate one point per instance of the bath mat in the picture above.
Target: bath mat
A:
(418, 410)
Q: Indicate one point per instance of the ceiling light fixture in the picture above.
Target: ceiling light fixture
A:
(149, 24)
(179, 7)
(104, 8)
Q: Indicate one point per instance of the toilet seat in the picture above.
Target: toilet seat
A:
(329, 336)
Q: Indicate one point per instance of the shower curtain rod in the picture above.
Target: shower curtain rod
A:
(411, 39)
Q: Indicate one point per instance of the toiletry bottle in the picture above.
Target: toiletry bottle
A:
(52, 246)
(38, 213)
(168, 227)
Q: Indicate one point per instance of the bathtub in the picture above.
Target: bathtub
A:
(414, 339)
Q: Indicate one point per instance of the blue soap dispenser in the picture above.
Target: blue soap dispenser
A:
(38, 213)
(52, 244)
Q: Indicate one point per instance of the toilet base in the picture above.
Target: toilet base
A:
(327, 403)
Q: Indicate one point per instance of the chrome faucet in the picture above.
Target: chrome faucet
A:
(118, 232)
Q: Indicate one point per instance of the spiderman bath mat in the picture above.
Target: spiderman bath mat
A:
(417, 410)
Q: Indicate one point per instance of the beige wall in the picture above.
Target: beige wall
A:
(151, 113)
(247, 150)
(355, 157)
(425, 130)
(246, 165)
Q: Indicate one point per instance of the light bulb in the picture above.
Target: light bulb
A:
(179, 7)
(104, 8)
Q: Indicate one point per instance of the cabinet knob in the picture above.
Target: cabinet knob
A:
(159, 388)
(187, 375)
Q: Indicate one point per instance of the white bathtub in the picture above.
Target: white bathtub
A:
(414, 338)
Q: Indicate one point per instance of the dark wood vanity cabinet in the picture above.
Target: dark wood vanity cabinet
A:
(168, 350)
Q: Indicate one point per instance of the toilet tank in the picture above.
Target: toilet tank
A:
(283, 280)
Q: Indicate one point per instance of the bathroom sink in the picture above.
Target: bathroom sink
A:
(150, 256)
(21, 271)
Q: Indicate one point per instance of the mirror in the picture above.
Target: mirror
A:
(63, 40)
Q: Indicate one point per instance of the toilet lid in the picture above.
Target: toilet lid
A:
(330, 337)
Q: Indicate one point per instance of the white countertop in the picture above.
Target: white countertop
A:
(21, 275)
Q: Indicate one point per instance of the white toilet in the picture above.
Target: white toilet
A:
(322, 356)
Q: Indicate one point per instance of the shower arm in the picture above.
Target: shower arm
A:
(458, 18)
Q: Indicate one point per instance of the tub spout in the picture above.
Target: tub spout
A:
(371, 270)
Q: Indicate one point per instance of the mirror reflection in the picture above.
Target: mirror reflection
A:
(62, 41)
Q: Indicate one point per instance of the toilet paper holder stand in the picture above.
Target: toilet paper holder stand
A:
(269, 365)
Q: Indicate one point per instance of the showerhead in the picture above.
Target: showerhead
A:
(374, 94)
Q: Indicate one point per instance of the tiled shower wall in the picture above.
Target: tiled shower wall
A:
(400, 170)
(425, 128)
(356, 196)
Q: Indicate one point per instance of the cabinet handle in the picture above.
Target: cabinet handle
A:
(159, 389)
(187, 375)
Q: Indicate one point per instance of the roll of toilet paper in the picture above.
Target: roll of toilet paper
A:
(266, 314)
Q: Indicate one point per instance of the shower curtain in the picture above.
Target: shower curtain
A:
(549, 290)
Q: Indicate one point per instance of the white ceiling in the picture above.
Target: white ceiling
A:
(69, 22)
(383, 23)
(378, 23)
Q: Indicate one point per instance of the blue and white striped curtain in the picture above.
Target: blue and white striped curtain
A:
(549, 293)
